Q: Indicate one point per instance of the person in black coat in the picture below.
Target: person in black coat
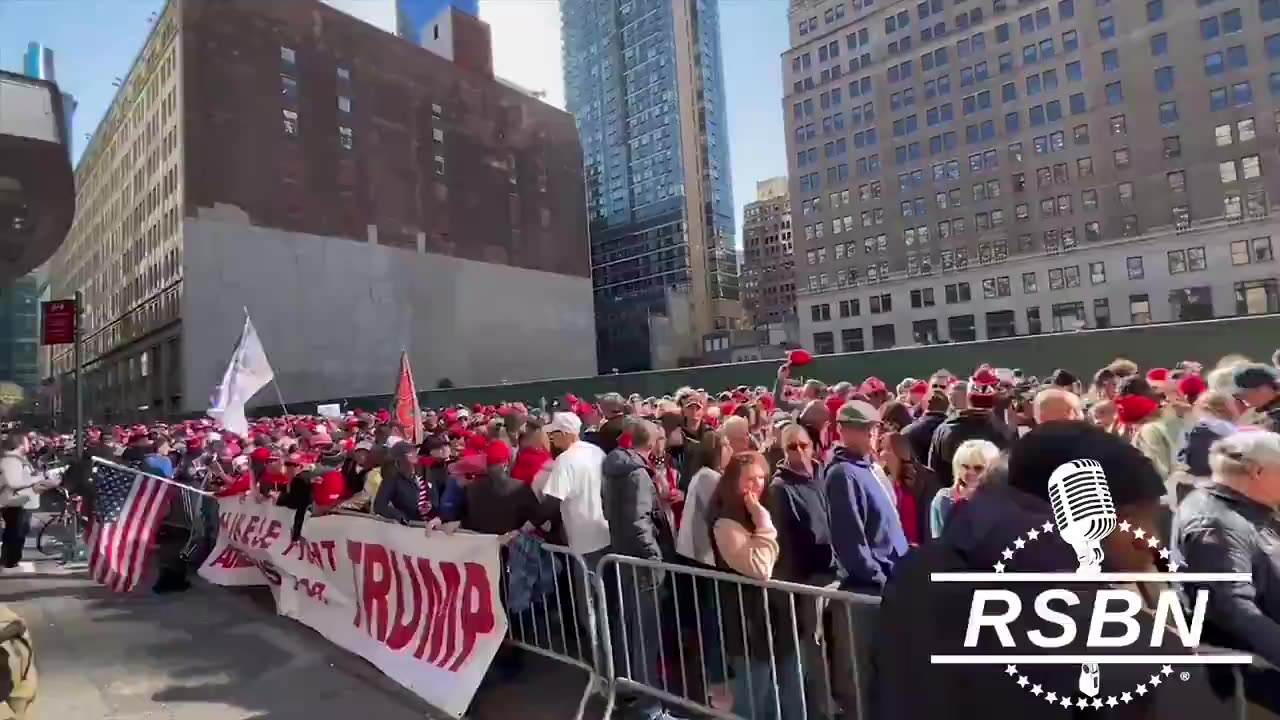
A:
(404, 495)
(920, 618)
(496, 503)
(920, 432)
(978, 422)
(640, 526)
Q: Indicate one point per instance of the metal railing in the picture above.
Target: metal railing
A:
(730, 646)
(548, 593)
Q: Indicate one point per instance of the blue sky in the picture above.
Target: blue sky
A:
(96, 40)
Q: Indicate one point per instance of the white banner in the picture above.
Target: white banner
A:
(423, 608)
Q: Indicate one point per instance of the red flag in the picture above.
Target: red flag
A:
(406, 411)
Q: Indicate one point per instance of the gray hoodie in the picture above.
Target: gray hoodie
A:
(17, 482)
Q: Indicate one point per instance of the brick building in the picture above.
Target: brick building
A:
(356, 193)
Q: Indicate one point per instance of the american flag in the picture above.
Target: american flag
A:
(128, 508)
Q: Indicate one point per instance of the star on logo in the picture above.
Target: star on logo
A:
(1000, 568)
(1019, 543)
(1164, 553)
(1066, 702)
(1008, 554)
(1082, 703)
(1111, 701)
(1047, 527)
(1011, 670)
(1166, 670)
(1153, 541)
(1155, 681)
(1022, 681)
(1097, 704)
(1051, 697)
(1142, 690)
(1033, 534)
(1125, 698)
(1173, 566)
(1139, 533)
(1036, 690)
(1125, 526)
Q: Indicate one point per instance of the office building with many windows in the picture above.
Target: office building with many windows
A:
(357, 194)
(643, 78)
(768, 256)
(974, 169)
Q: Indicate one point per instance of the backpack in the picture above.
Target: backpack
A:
(17, 667)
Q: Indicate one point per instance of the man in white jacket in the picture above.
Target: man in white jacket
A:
(20, 489)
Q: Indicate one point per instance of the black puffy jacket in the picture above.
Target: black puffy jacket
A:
(638, 525)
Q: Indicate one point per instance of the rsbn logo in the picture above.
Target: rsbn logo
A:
(1084, 516)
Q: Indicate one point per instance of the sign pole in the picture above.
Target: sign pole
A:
(78, 359)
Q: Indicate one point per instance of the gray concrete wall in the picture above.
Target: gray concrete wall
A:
(334, 314)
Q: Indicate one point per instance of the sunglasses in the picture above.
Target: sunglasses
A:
(796, 447)
(974, 468)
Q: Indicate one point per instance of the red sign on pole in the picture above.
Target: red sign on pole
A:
(58, 322)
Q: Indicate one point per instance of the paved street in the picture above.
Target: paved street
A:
(218, 654)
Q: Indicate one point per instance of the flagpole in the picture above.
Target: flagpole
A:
(165, 480)
(274, 384)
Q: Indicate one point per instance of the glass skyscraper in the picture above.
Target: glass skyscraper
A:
(644, 80)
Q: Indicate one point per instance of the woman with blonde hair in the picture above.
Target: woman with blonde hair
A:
(969, 467)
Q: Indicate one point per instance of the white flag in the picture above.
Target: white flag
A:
(246, 374)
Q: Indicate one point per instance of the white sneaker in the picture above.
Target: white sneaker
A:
(19, 569)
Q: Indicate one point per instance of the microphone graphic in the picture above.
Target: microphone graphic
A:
(1085, 515)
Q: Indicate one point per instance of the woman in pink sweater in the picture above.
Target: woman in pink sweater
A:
(745, 543)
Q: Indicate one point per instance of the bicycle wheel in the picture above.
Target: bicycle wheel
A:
(56, 536)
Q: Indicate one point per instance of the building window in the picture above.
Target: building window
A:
(1133, 265)
(851, 340)
(1256, 297)
(1033, 321)
(922, 298)
(1140, 309)
(882, 337)
(1101, 313)
(439, 164)
(824, 343)
(925, 332)
(1097, 273)
(1068, 316)
(1115, 93)
(957, 293)
(820, 313)
(1172, 147)
(1001, 324)
(1193, 303)
(344, 137)
(1107, 28)
(961, 328)
(344, 104)
(1255, 250)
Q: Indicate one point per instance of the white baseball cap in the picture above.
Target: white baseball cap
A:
(565, 422)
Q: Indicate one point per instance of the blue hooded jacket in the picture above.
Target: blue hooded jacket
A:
(866, 532)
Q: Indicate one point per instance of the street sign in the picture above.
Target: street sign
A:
(58, 322)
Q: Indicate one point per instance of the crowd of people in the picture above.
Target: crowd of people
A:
(864, 487)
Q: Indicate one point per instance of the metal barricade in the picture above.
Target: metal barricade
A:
(733, 647)
(547, 591)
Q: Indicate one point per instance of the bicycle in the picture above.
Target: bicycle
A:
(63, 534)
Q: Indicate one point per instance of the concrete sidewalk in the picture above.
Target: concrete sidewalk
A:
(201, 655)
(220, 654)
